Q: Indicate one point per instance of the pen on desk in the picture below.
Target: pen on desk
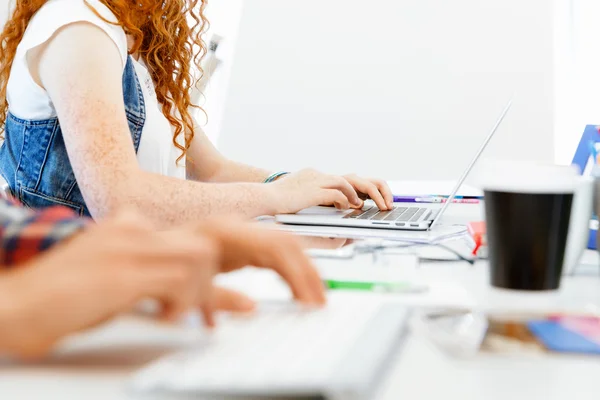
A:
(436, 199)
(416, 199)
(463, 201)
(385, 287)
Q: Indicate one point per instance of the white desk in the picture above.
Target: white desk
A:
(96, 367)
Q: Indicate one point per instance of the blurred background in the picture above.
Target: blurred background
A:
(404, 88)
(399, 88)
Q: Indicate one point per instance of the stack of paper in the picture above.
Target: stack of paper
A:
(440, 233)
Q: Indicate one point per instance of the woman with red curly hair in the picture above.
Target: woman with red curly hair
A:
(95, 100)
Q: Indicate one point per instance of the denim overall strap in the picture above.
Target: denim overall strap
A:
(135, 107)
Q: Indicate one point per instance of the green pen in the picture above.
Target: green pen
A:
(382, 287)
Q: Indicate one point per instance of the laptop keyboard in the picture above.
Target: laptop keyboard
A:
(398, 214)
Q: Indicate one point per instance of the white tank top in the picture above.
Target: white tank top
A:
(27, 100)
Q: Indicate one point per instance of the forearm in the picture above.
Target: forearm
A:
(230, 171)
(169, 202)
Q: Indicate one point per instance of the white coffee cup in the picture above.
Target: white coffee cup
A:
(579, 224)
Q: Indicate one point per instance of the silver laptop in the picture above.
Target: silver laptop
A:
(402, 217)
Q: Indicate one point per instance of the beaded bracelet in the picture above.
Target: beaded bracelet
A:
(275, 176)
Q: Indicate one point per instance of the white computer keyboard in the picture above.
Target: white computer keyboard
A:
(283, 350)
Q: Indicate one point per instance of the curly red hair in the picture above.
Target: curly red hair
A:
(163, 36)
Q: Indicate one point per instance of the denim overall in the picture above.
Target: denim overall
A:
(34, 160)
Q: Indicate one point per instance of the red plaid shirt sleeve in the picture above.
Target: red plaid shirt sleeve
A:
(25, 233)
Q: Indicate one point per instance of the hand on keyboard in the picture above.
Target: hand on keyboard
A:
(308, 188)
(374, 189)
(244, 244)
(109, 268)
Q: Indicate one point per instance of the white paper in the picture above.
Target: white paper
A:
(366, 268)
(265, 285)
(439, 233)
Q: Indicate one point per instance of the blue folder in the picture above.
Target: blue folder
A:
(556, 337)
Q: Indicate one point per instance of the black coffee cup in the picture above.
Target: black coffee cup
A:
(528, 210)
(527, 237)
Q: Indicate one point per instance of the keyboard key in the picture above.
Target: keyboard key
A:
(398, 211)
(381, 215)
(357, 213)
(408, 214)
(418, 214)
(354, 214)
(369, 213)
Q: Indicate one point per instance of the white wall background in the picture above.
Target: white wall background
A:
(578, 72)
(4, 10)
(224, 17)
(398, 88)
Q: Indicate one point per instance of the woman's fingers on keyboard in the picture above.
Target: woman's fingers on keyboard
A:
(342, 184)
(376, 189)
(385, 191)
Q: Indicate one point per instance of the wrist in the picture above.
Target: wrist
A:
(271, 199)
